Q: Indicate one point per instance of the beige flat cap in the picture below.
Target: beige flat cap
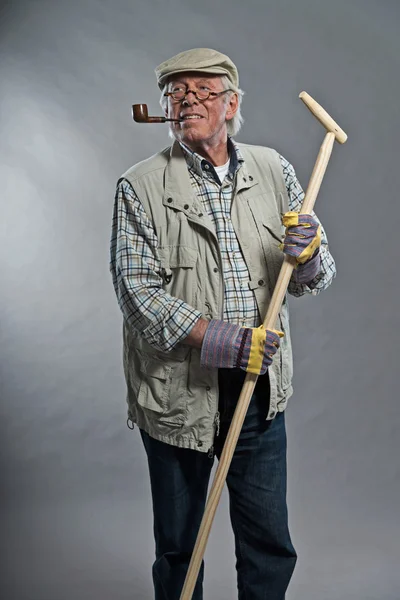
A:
(203, 60)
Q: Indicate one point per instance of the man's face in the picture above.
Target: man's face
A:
(204, 120)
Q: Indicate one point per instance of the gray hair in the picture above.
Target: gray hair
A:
(232, 125)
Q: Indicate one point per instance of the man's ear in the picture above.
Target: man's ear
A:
(232, 106)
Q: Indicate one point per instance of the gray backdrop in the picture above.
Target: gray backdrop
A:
(76, 507)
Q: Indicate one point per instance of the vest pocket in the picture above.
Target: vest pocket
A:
(154, 385)
(178, 271)
(163, 387)
(182, 256)
(275, 227)
(271, 239)
(266, 218)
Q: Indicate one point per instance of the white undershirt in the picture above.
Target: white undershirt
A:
(222, 171)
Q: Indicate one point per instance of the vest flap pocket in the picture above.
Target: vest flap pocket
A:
(154, 385)
(180, 256)
(178, 268)
(155, 369)
(275, 227)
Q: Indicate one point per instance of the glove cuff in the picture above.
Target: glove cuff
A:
(219, 344)
(306, 272)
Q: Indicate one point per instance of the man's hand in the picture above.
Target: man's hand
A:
(228, 346)
(303, 236)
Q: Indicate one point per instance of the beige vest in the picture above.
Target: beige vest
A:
(170, 395)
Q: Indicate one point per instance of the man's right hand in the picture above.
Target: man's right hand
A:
(249, 348)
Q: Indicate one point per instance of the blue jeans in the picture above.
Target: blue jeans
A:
(265, 556)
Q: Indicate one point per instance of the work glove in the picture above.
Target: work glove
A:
(302, 240)
(249, 348)
(303, 236)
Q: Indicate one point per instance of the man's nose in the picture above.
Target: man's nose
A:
(192, 99)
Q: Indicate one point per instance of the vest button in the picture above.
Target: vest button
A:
(250, 177)
(261, 282)
(215, 270)
(208, 388)
(169, 199)
(186, 206)
(199, 444)
(200, 215)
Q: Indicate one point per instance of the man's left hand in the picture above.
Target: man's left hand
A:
(302, 236)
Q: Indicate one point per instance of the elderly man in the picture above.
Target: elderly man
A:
(197, 244)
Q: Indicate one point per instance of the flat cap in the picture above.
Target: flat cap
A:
(203, 60)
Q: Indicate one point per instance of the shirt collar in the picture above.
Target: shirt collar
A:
(201, 166)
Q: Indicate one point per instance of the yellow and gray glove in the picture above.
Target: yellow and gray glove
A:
(302, 241)
(226, 345)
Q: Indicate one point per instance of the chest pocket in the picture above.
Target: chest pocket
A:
(266, 220)
(178, 271)
(275, 227)
(272, 234)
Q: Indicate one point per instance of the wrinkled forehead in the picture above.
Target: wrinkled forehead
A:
(195, 78)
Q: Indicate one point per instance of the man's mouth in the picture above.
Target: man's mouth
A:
(190, 117)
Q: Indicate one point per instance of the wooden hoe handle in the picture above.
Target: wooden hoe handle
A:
(334, 132)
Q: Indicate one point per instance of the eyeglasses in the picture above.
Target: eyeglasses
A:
(180, 93)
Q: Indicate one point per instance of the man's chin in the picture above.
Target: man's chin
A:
(191, 135)
(188, 135)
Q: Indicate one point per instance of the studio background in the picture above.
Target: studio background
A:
(75, 504)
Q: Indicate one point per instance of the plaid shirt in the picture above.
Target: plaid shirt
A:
(161, 319)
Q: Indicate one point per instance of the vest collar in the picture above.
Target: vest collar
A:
(203, 167)
(178, 191)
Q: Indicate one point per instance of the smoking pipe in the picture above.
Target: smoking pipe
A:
(140, 115)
